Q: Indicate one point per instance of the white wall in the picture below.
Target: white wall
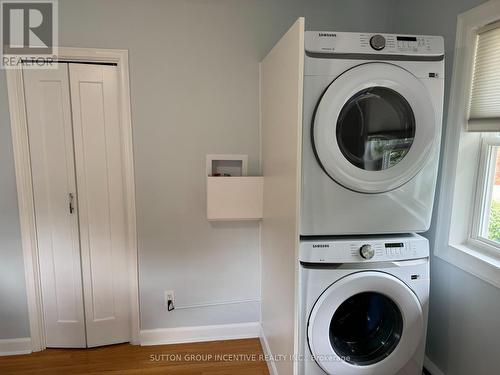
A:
(194, 85)
(464, 323)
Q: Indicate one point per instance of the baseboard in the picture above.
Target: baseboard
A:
(199, 333)
(15, 346)
(431, 367)
(267, 352)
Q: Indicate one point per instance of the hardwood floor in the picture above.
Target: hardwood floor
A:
(242, 357)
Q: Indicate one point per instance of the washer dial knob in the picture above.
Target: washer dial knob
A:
(366, 251)
(377, 42)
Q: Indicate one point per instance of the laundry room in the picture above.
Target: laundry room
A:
(250, 187)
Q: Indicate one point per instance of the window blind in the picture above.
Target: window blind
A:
(485, 93)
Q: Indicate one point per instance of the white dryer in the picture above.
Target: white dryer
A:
(371, 132)
(363, 305)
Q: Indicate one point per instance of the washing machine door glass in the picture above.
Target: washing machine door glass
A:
(368, 322)
(366, 328)
(374, 128)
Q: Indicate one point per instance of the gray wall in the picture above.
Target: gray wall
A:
(194, 86)
(13, 308)
(464, 323)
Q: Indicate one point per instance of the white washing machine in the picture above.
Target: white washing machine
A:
(371, 132)
(363, 305)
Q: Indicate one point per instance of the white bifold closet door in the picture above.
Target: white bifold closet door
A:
(101, 201)
(77, 164)
(50, 134)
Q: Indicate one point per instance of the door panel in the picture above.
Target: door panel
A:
(52, 160)
(374, 128)
(366, 323)
(94, 93)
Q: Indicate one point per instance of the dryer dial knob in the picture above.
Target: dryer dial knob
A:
(377, 42)
(366, 251)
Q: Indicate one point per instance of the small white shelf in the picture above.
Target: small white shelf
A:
(234, 198)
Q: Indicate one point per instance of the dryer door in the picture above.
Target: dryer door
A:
(366, 323)
(374, 128)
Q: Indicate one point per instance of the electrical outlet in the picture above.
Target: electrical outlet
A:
(169, 300)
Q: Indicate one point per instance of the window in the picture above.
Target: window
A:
(484, 116)
(468, 219)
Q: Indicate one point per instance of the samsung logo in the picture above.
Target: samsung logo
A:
(321, 245)
(328, 34)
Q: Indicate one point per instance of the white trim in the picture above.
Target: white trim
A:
(431, 367)
(17, 108)
(271, 366)
(179, 335)
(473, 261)
(459, 254)
(15, 346)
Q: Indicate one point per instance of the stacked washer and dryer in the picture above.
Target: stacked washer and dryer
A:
(371, 134)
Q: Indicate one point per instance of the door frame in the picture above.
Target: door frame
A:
(19, 130)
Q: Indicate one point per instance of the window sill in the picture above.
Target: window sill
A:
(474, 260)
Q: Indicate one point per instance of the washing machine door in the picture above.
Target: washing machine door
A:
(374, 128)
(368, 322)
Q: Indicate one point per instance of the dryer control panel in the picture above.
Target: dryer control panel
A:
(363, 249)
(352, 44)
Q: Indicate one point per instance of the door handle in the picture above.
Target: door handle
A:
(71, 197)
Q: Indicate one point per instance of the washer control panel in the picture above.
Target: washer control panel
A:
(366, 249)
(345, 43)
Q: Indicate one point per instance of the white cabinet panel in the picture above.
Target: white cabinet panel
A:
(101, 198)
(51, 150)
(281, 87)
(234, 198)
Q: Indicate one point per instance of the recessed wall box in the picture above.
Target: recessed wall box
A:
(227, 165)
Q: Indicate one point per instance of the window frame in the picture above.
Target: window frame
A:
(462, 191)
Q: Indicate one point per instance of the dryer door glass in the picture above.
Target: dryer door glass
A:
(375, 128)
(366, 328)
